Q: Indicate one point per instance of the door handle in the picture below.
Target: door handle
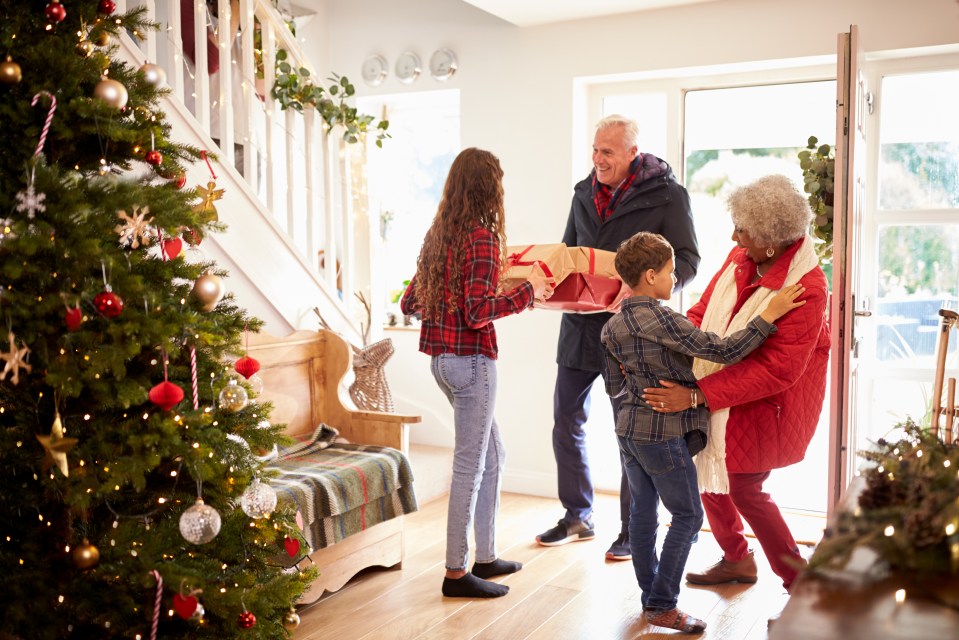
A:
(863, 313)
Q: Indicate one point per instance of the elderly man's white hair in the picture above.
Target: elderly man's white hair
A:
(630, 128)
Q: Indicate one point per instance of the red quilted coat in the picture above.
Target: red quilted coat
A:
(776, 393)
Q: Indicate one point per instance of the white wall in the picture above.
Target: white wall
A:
(518, 97)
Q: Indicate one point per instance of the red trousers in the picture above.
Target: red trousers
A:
(746, 498)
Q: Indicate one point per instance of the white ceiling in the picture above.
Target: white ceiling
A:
(527, 13)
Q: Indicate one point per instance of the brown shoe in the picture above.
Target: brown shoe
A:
(724, 571)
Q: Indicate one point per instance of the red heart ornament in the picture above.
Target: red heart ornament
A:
(247, 366)
(171, 248)
(292, 546)
(184, 605)
(74, 318)
(166, 395)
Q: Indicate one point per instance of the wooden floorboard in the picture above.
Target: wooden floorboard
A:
(569, 592)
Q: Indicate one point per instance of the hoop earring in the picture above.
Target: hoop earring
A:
(770, 252)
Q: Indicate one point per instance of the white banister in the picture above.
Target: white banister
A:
(296, 167)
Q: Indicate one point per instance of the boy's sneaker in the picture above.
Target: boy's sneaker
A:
(565, 532)
(620, 550)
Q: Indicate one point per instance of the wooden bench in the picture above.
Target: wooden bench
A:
(302, 376)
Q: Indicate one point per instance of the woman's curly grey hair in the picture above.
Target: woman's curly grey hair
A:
(771, 210)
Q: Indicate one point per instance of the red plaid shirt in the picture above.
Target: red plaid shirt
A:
(469, 329)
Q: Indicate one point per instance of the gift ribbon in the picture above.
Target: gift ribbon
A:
(515, 260)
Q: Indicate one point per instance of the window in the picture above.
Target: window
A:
(425, 138)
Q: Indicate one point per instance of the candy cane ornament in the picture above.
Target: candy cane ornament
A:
(157, 604)
(46, 124)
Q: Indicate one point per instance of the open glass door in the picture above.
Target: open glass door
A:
(847, 307)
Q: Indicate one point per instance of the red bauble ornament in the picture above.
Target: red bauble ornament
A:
(180, 181)
(292, 546)
(153, 157)
(106, 7)
(108, 303)
(185, 606)
(171, 248)
(193, 237)
(74, 318)
(246, 620)
(166, 395)
(247, 366)
(55, 11)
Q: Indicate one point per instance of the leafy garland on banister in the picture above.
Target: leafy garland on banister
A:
(908, 511)
(295, 89)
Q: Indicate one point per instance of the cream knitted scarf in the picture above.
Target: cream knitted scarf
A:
(711, 461)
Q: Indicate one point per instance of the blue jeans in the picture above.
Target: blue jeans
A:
(469, 383)
(570, 411)
(661, 470)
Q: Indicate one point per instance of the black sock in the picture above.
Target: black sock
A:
(498, 567)
(469, 586)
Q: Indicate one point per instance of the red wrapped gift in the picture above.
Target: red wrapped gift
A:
(592, 287)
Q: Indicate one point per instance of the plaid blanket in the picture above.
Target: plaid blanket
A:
(340, 488)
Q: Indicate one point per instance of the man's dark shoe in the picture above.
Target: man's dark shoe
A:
(724, 571)
(565, 532)
(619, 550)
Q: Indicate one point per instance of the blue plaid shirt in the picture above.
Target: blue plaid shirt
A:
(651, 342)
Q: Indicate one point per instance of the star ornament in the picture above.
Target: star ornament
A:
(209, 195)
(134, 230)
(15, 360)
(56, 447)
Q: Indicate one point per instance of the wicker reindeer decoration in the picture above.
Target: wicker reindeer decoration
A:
(370, 390)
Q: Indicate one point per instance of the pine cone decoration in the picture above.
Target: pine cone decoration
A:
(881, 492)
(924, 528)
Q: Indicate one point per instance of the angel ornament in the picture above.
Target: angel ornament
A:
(209, 195)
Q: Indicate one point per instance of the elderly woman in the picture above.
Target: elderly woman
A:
(764, 410)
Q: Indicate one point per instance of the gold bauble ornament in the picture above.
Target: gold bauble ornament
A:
(291, 620)
(208, 291)
(85, 555)
(10, 72)
(154, 74)
(84, 48)
(101, 38)
(111, 92)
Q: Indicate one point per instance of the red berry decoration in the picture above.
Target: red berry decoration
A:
(55, 11)
(108, 303)
(246, 620)
(74, 318)
(166, 395)
(153, 157)
(247, 366)
(106, 7)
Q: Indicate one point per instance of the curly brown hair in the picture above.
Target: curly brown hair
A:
(472, 197)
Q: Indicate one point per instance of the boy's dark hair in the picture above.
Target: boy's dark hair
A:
(641, 252)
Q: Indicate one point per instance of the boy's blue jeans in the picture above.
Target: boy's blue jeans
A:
(661, 471)
(469, 383)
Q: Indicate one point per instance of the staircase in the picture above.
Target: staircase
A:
(288, 195)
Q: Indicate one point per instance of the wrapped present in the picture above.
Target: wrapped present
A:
(551, 260)
(591, 287)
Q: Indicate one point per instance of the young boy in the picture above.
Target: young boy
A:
(644, 343)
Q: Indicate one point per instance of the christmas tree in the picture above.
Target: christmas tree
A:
(131, 500)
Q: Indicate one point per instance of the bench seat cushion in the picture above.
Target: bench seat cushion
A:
(341, 489)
